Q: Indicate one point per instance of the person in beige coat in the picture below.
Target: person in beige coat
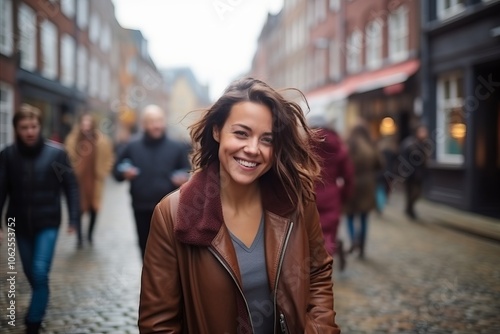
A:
(367, 164)
(91, 155)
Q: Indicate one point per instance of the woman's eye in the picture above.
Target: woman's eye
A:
(240, 133)
(267, 140)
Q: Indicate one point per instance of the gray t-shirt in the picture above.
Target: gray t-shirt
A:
(252, 262)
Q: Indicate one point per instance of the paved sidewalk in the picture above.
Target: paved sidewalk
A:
(465, 221)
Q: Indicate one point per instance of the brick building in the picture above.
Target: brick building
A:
(63, 56)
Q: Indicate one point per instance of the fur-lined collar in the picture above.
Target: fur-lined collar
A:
(199, 214)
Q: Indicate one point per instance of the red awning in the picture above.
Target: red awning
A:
(365, 82)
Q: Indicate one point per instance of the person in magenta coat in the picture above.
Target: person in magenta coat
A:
(335, 186)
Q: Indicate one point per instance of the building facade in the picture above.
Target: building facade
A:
(186, 99)
(461, 99)
(64, 57)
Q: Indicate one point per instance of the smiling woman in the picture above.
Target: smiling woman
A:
(239, 248)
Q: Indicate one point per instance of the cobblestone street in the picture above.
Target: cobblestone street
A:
(418, 277)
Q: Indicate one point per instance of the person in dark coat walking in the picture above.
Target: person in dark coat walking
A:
(33, 173)
(367, 164)
(414, 151)
(335, 186)
(155, 165)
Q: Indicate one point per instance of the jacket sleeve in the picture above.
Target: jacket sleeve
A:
(160, 303)
(123, 154)
(70, 187)
(321, 315)
(109, 155)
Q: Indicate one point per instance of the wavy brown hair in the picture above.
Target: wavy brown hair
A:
(294, 161)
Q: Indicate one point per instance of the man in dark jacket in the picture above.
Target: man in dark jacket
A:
(415, 151)
(155, 165)
(33, 172)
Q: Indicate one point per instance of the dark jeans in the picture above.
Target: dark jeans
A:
(356, 236)
(36, 256)
(413, 189)
(142, 223)
(92, 220)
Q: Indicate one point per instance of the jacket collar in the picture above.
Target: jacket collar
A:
(199, 215)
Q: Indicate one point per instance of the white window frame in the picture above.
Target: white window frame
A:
(455, 8)
(354, 51)
(68, 54)
(48, 40)
(82, 14)
(82, 65)
(373, 38)
(443, 107)
(27, 36)
(399, 34)
(6, 29)
(68, 7)
(6, 109)
(105, 38)
(94, 27)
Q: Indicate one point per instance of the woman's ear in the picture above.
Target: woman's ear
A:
(216, 134)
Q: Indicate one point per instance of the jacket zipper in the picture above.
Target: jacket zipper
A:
(235, 282)
(283, 326)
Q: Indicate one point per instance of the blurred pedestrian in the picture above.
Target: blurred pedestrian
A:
(33, 172)
(91, 155)
(414, 151)
(335, 186)
(239, 248)
(367, 164)
(155, 165)
(388, 150)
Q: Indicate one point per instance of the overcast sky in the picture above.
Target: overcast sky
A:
(216, 38)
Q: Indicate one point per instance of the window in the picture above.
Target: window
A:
(82, 13)
(450, 119)
(68, 61)
(334, 60)
(374, 44)
(94, 28)
(105, 83)
(449, 8)
(94, 77)
(335, 5)
(353, 55)
(82, 68)
(105, 38)
(68, 8)
(49, 49)
(6, 36)
(320, 11)
(398, 34)
(6, 112)
(27, 37)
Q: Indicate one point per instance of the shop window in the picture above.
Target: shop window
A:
(451, 125)
(6, 35)
(6, 112)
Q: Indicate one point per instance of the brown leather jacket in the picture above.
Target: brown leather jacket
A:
(191, 282)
